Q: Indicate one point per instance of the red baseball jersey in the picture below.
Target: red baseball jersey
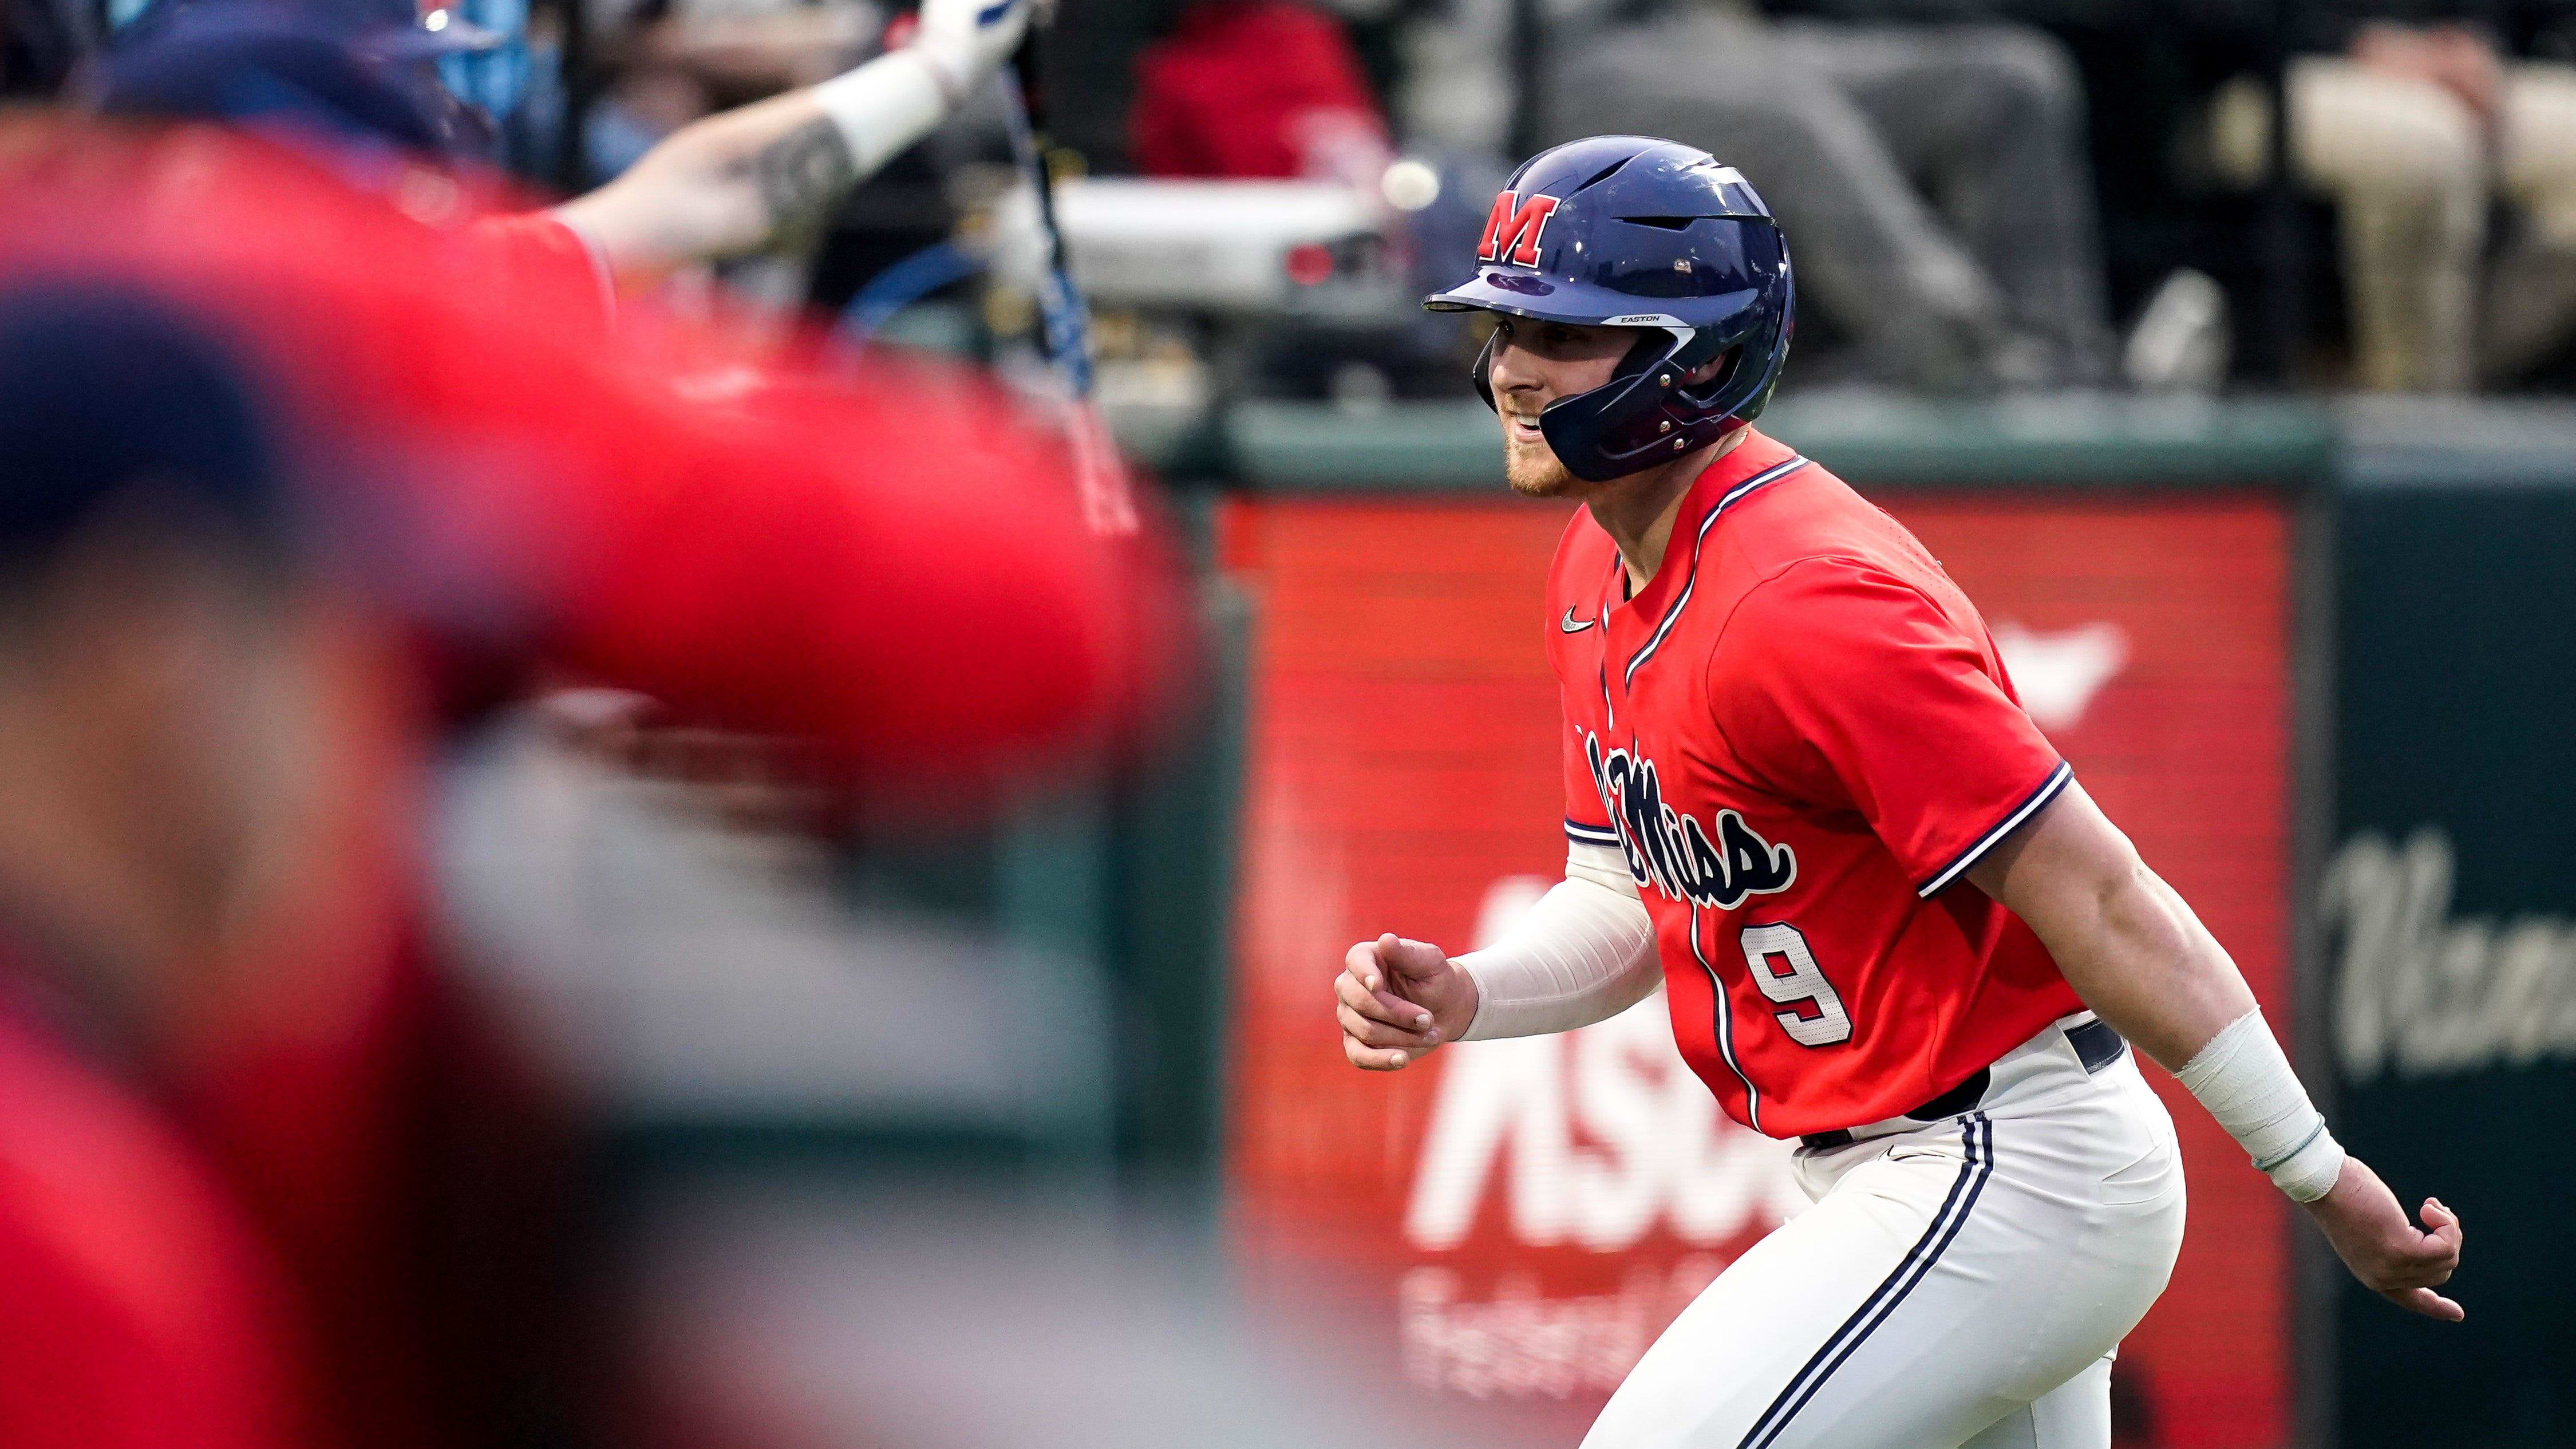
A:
(1801, 736)
(543, 252)
(138, 1303)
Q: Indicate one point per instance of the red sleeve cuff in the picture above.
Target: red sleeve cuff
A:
(2030, 805)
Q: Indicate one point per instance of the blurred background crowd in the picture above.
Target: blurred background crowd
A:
(1985, 194)
(610, 833)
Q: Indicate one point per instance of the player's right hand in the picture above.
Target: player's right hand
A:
(1397, 1000)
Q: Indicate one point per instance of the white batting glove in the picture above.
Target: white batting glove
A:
(967, 40)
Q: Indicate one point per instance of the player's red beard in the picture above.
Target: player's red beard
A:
(1533, 469)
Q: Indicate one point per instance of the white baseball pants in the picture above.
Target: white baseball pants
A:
(1958, 1283)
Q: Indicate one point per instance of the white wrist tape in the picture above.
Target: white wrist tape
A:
(887, 104)
(1584, 953)
(2246, 1083)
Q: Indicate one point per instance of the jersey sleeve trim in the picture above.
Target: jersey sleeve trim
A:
(600, 270)
(2048, 790)
(1582, 834)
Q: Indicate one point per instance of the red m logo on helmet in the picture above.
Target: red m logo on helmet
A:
(1515, 229)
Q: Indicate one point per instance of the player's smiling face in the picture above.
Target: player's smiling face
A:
(1534, 364)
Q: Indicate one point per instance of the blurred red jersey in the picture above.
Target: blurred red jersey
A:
(142, 1309)
(890, 563)
(542, 251)
(1801, 737)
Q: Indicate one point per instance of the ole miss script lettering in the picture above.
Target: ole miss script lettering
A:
(1513, 229)
(1669, 851)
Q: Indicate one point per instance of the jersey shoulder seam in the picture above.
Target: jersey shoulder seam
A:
(1830, 556)
(1716, 639)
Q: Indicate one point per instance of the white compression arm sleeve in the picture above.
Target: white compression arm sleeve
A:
(904, 95)
(1584, 953)
(887, 104)
(2246, 1083)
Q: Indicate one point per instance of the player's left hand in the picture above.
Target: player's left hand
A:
(2389, 1254)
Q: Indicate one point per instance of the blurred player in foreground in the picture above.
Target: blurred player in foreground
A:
(1803, 798)
(472, 496)
(157, 673)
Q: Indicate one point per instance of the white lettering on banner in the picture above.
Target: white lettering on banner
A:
(2420, 994)
(2058, 673)
(1653, 1145)
(1519, 1343)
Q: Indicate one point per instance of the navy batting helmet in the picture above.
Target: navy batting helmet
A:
(1631, 231)
(348, 70)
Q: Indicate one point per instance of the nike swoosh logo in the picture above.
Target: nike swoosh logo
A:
(1569, 626)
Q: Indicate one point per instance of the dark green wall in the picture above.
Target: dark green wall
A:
(2456, 713)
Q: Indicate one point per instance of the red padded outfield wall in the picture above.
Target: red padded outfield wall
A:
(1512, 1222)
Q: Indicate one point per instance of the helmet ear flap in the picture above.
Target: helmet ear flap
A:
(1483, 372)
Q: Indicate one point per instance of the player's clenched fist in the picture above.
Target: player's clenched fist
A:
(1397, 999)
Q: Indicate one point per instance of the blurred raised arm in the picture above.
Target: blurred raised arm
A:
(743, 179)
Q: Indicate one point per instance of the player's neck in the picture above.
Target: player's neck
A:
(1638, 511)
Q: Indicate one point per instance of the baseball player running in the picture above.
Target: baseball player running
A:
(1803, 798)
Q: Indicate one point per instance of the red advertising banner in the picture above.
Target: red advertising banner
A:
(1516, 1220)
